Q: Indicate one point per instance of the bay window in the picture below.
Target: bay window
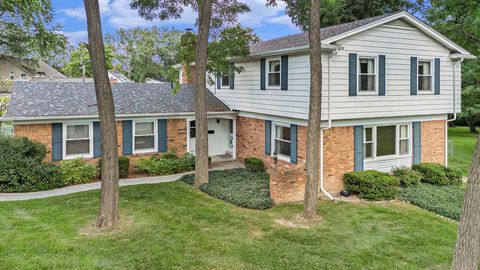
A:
(386, 140)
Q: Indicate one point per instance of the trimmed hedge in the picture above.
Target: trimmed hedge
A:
(372, 185)
(77, 171)
(123, 166)
(446, 201)
(407, 176)
(254, 164)
(240, 187)
(167, 164)
(439, 175)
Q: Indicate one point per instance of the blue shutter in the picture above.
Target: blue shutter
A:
(358, 148)
(262, 74)
(218, 81)
(413, 76)
(381, 75)
(352, 74)
(437, 76)
(284, 72)
(231, 76)
(97, 140)
(57, 141)
(268, 137)
(162, 135)
(127, 137)
(293, 144)
(417, 142)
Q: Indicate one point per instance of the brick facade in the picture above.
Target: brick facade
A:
(190, 79)
(433, 141)
(38, 132)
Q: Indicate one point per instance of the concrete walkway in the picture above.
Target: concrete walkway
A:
(96, 185)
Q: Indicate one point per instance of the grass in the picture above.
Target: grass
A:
(463, 148)
(174, 226)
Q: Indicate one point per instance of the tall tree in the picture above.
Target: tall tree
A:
(215, 12)
(108, 213)
(81, 56)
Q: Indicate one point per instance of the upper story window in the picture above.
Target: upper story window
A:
(78, 140)
(281, 138)
(144, 139)
(11, 76)
(274, 73)
(225, 81)
(23, 77)
(383, 141)
(424, 75)
(40, 74)
(367, 74)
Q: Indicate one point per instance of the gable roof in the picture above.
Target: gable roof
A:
(331, 34)
(41, 66)
(49, 100)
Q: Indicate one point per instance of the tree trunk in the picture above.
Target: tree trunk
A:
(108, 213)
(468, 242)
(201, 139)
(471, 126)
(314, 112)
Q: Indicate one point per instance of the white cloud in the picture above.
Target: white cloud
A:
(76, 36)
(79, 12)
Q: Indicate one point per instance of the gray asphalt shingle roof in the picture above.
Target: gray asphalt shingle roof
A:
(301, 39)
(46, 99)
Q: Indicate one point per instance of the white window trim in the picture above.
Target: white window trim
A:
(11, 75)
(272, 143)
(224, 86)
(397, 142)
(432, 73)
(155, 137)
(64, 140)
(267, 68)
(22, 79)
(376, 69)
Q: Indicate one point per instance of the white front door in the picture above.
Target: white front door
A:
(218, 136)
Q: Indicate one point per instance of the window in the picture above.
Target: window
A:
(281, 140)
(383, 141)
(40, 74)
(192, 129)
(11, 76)
(424, 76)
(23, 77)
(225, 80)
(78, 140)
(144, 137)
(366, 75)
(274, 73)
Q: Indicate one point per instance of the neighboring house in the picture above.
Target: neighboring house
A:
(117, 77)
(17, 70)
(150, 119)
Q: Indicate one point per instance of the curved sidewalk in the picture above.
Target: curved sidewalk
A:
(4, 197)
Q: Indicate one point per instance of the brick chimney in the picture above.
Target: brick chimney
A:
(183, 75)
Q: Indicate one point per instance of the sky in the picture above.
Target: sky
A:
(267, 22)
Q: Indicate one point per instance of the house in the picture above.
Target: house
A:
(389, 85)
(117, 77)
(17, 70)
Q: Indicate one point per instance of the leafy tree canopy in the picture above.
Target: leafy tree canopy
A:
(80, 56)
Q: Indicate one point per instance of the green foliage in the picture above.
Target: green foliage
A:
(372, 185)
(446, 201)
(123, 166)
(166, 164)
(254, 164)
(407, 176)
(21, 168)
(79, 56)
(240, 187)
(471, 107)
(437, 174)
(77, 171)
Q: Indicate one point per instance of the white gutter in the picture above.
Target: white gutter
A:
(455, 63)
(329, 86)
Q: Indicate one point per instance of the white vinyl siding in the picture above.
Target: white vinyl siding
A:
(397, 44)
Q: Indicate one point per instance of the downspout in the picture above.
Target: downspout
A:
(455, 63)
(329, 125)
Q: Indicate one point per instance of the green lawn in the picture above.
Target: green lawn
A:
(174, 226)
(463, 148)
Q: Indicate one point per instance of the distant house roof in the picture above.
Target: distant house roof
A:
(40, 67)
(116, 76)
(47, 100)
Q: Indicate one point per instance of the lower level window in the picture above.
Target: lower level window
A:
(144, 139)
(282, 140)
(380, 141)
(78, 140)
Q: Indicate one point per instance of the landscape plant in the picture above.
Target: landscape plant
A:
(407, 176)
(166, 164)
(437, 174)
(372, 185)
(77, 171)
(254, 164)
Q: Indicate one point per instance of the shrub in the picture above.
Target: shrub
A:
(161, 165)
(240, 187)
(446, 201)
(21, 168)
(123, 166)
(372, 185)
(77, 171)
(254, 164)
(437, 174)
(407, 176)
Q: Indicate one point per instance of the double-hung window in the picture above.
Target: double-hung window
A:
(23, 77)
(11, 76)
(78, 140)
(367, 75)
(425, 75)
(144, 139)
(388, 140)
(281, 138)
(274, 68)
(225, 81)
